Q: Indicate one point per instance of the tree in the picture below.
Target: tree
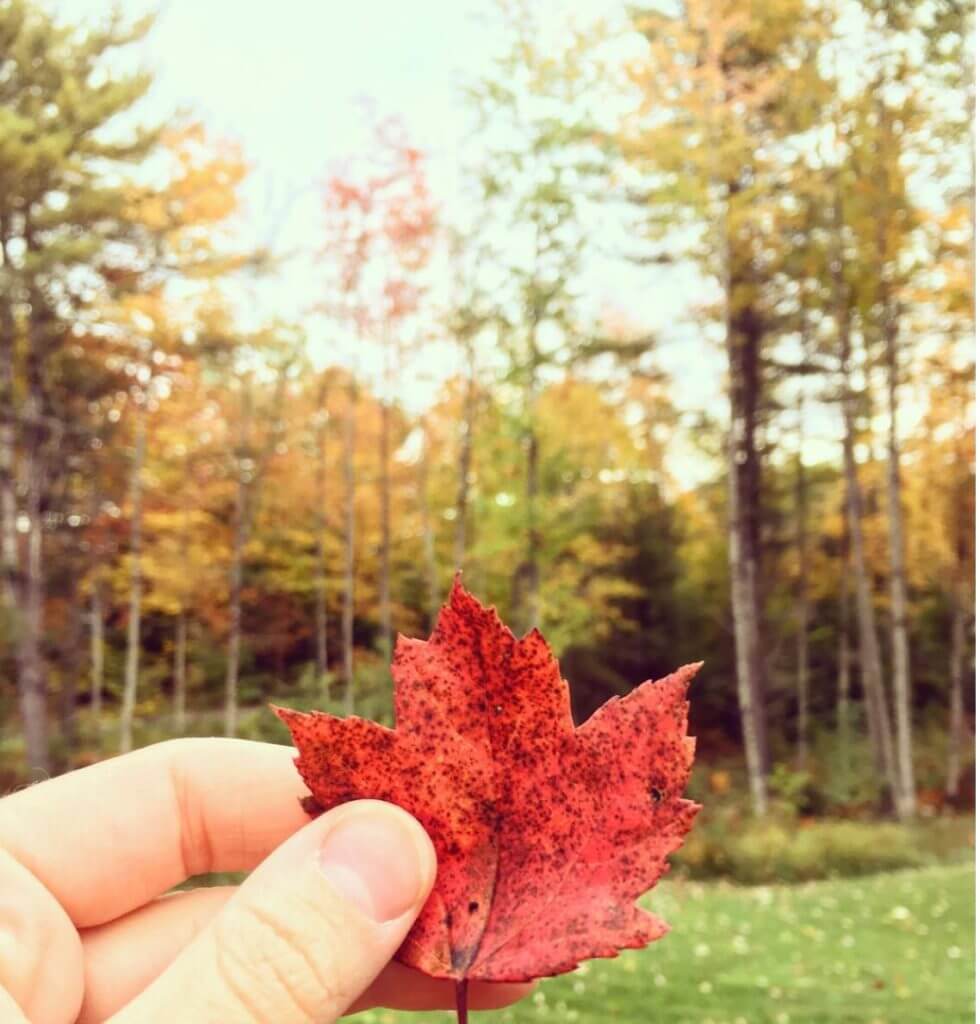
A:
(879, 719)
(259, 430)
(431, 573)
(185, 546)
(181, 226)
(802, 601)
(403, 250)
(59, 218)
(724, 94)
(320, 421)
(540, 165)
(378, 228)
(135, 579)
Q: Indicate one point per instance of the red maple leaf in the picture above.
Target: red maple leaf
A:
(545, 833)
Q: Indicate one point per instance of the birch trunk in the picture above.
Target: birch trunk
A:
(428, 536)
(460, 544)
(803, 611)
(31, 675)
(743, 548)
(250, 473)
(236, 571)
(320, 527)
(347, 625)
(71, 667)
(131, 679)
(384, 553)
(97, 652)
(31, 682)
(745, 633)
(899, 587)
(532, 576)
(879, 724)
(869, 652)
(234, 653)
(527, 579)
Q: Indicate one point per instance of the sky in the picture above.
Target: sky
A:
(285, 81)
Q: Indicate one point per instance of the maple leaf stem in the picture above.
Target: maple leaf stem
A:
(462, 1014)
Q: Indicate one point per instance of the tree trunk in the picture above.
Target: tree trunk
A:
(71, 669)
(743, 346)
(876, 701)
(899, 586)
(879, 723)
(9, 556)
(347, 625)
(97, 652)
(803, 610)
(180, 673)
(743, 613)
(236, 572)
(249, 474)
(957, 652)
(31, 669)
(131, 679)
(180, 627)
(9, 570)
(235, 613)
(10, 582)
(428, 536)
(384, 480)
(32, 685)
(527, 579)
(31, 675)
(96, 617)
(843, 710)
(465, 460)
(320, 528)
(9, 553)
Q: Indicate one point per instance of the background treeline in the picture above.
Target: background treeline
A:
(200, 511)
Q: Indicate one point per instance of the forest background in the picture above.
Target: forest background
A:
(662, 333)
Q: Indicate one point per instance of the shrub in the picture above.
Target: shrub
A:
(787, 850)
(840, 849)
(797, 791)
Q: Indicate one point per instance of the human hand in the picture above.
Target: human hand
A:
(89, 931)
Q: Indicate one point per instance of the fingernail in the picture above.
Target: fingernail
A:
(375, 862)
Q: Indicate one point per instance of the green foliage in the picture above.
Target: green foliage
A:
(787, 849)
(795, 790)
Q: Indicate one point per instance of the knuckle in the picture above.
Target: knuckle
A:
(196, 847)
(41, 959)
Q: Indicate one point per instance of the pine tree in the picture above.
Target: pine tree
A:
(60, 215)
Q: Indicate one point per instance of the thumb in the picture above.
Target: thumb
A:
(307, 931)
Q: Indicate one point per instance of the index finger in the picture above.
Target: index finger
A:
(108, 838)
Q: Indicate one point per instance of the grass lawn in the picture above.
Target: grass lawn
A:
(888, 949)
